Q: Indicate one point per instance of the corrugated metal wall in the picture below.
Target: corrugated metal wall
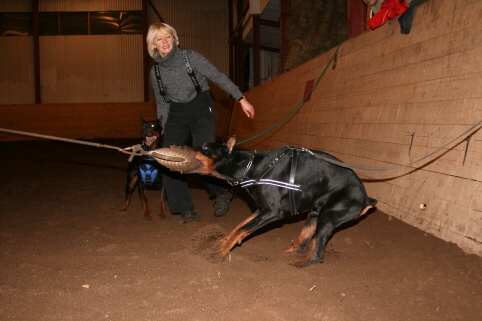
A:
(91, 69)
(16, 70)
(88, 5)
(269, 61)
(76, 69)
(15, 6)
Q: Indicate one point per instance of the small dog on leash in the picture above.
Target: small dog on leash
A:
(144, 171)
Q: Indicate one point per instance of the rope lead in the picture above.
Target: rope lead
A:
(136, 149)
(333, 58)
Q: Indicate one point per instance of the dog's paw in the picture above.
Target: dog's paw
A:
(307, 262)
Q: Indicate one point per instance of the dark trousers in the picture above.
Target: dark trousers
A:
(197, 119)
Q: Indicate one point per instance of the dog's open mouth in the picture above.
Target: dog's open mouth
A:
(150, 140)
(176, 158)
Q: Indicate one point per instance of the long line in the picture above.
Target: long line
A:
(374, 169)
(333, 57)
(136, 151)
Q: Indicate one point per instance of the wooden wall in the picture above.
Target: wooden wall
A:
(75, 121)
(89, 121)
(390, 100)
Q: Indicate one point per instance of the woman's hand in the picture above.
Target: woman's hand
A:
(247, 107)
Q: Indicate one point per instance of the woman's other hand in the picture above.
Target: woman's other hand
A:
(247, 107)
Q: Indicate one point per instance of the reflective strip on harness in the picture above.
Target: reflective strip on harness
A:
(244, 182)
(294, 164)
(264, 181)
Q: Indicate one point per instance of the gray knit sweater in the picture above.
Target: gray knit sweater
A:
(177, 84)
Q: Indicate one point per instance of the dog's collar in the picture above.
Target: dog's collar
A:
(146, 147)
(249, 165)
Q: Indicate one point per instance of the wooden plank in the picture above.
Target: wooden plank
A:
(86, 121)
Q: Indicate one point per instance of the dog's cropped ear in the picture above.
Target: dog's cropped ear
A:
(142, 119)
(159, 122)
(231, 143)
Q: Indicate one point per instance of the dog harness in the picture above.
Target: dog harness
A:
(148, 170)
(190, 72)
(246, 182)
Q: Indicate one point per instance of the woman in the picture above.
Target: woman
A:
(185, 105)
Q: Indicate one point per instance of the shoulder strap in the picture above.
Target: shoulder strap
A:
(291, 193)
(159, 83)
(190, 71)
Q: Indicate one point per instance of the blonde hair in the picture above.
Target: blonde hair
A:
(151, 34)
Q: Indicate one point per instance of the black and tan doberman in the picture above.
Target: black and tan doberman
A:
(284, 182)
(144, 171)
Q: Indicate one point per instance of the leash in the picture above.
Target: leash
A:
(373, 169)
(342, 164)
(245, 182)
(358, 167)
(135, 150)
(333, 58)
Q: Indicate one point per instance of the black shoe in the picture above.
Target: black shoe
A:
(222, 202)
(189, 216)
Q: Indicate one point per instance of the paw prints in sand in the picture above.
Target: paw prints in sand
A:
(204, 242)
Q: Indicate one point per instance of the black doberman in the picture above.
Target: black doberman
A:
(144, 171)
(284, 182)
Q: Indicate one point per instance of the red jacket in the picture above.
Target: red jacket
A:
(390, 9)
